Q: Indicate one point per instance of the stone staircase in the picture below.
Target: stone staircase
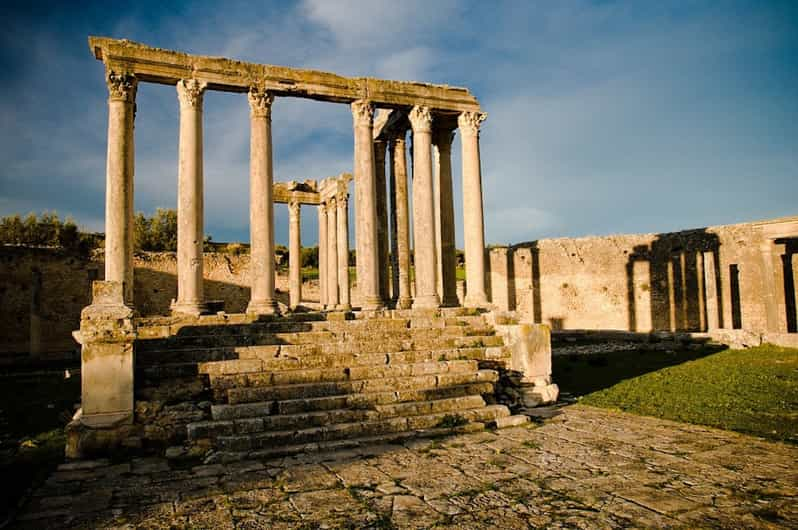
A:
(237, 389)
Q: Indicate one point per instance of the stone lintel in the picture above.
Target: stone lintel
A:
(159, 65)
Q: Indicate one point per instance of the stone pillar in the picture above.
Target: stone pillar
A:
(365, 206)
(392, 221)
(332, 254)
(382, 217)
(473, 221)
(711, 292)
(343, 252)
(190, 234)
(323, 255)
(423, 210)
(769, 286)
(261, 205)
(399, 177)
(444, 199)
(119, 181)
(701, 288)
(294, 255)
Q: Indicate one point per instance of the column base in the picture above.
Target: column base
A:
(404, 303)
(372, 303)
(262, 307)
(427, 302)
(189, 308)
(475, 300)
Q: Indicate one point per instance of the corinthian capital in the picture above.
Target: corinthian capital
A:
(189, 93)
(293, 208)
(420, 119)
(260, 102)
(121, 86)
(469, 122)
(343, 198)
(363, 113)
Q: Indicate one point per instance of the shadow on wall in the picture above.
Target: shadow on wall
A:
(684, 282)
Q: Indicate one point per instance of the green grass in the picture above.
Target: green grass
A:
(753, 391)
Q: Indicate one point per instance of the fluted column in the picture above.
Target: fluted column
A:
(473, 221)
(382, 217)
(190, 234)
(423, 210)
(332, 254)
(343, 252)
(119, 181)
(444, 200)
(399, 177)
(261, 205)
(394, 242)
(294, 255)
(323, 255)
(366, 206)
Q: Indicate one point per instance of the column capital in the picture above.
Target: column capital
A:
(323, 207)
(189, 92)
(342, 197)
(442, 138)
(331, 203)
(363, 113)
(260, 102)
(121, 86)
(469, 122)
(293, 208)
(420, 119)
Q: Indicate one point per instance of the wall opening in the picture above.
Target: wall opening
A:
(734, 288)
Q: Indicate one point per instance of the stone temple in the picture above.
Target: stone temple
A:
(393, 362)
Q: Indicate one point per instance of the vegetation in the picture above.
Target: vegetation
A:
(753, 391)
(47, 230)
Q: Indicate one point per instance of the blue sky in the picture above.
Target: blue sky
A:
(603, 117)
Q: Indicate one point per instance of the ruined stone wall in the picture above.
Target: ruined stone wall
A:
(638, 282)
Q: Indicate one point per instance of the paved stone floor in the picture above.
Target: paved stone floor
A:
(586, 468)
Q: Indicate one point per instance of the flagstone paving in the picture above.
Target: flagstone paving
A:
(586, 468)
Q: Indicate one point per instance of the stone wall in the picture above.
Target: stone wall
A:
(692, 280)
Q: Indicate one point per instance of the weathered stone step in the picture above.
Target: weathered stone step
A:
(224, 457)
(249, 373)
(215, 428)
(312, 390)
(266, 440)
(344, 401)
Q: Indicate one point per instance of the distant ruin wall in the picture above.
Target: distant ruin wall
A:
(692, 280)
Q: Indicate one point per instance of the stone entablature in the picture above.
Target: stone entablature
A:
(157, 65)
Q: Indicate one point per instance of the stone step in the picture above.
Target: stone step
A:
(213, 429)
(225, 457)
(343, 401)
(267, 440)
(313, 390)
(251, 372)
(318, 337)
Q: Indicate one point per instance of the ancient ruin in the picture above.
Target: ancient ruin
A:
(228, 386)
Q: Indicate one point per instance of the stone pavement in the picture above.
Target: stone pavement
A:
(586, 468)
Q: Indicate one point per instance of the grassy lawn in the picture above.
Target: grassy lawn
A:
(33, 413)
(753, 391)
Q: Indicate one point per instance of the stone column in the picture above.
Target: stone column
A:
(769, 295)
(343, 252)
(119, 181)
(711, 291)
(473, 221)
(332, 254)
(444, 198)
(294, 255)
(261, 205)
(399, 176)
(423, 210)
(366, 206)
(323, 255)
(190, 234)
(382, 217)
(392, 221)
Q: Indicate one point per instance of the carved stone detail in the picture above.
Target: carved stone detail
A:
(121, 86)
(469, 122)
(293, 208)
(363, 113)
(420, 119)
(190, 91)
(260, 102)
